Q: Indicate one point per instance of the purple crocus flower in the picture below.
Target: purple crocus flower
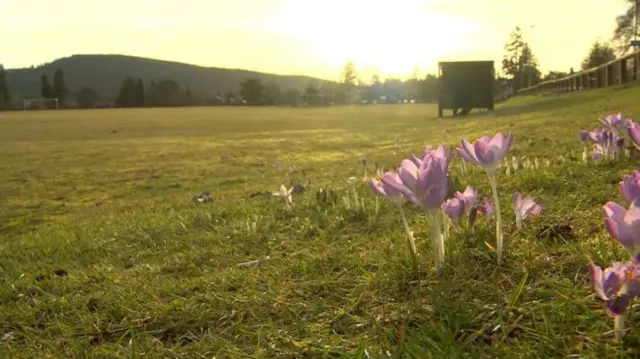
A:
(597, 154)
(441, 152)
(617, 285)
(634, 132)
(469, 197)
(624, 225)
(454, 208)
(425, 185)
(383, 189)
(524, 208)
(284, 193)
(584, 135)
(598, 136)
(614, 121)
(486, 152)
(630, 187)
(485, 208)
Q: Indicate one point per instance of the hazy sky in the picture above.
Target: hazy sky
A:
(303, 36)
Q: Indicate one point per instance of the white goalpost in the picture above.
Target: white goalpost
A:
(40, 104)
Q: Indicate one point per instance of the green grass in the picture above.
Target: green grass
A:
(103, 254)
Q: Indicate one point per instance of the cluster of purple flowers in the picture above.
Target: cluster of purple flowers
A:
(619, 284)
(425, 183)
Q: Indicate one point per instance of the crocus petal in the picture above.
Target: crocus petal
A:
(634, 133)
(502, 144)
(408, 174)
(584, 135)
(454, 209)
(614, 211)
(620, 233)
(413, 158)
(377, 187)
(517, 201)
(473, 214)
(485, 153)
(392, 184)
(624, 225)
(470, 196)
(630, 187)
(618, 305)
(467, 152)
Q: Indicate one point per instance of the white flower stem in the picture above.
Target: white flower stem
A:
(410, 239)
(447, 228)
(619, 325)
(496, 202)
(436, 237)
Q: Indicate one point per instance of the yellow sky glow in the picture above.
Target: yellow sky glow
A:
(303, 36)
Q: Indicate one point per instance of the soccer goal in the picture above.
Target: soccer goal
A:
(40, 104)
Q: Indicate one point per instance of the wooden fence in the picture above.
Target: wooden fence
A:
(624, 70)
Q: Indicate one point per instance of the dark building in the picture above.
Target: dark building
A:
(465, 85)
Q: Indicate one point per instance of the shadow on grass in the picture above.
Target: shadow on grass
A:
(543, 102)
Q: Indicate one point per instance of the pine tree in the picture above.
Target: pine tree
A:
(59, 89)
(5, 95)
(140, 93)
(45, 87)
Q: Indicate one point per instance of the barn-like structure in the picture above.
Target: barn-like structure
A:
(465, 85)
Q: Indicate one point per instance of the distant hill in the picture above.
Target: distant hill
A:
(104, 74)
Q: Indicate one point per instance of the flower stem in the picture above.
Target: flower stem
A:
(447, 228)
(410, 239)
(496, 202)
(436, 237)
(619, 325)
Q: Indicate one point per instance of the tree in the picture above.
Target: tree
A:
(529, 75)
(349, 82)
(151, 95)
(127, 96)
(272, 94)
(554, 75)
(59, 89)
(393, 89)
(188, 97)
(374, 90)
(230, 97)
(625, 29)
(86, 98)
(291, 97)
(511, 64)
(5, 95)
(519, 63)
(139, 99)
(168, 94)
(430, 88)
(599, 54)
(312, 96)
(45, 87)
(251, 91)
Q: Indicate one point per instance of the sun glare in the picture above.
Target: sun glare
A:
(390, 38)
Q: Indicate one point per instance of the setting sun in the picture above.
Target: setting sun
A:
(391, 39)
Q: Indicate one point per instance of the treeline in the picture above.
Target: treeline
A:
(253, 92)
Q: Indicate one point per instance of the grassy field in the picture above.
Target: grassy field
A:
(103, 253)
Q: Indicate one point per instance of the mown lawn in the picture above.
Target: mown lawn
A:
(104, 254)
